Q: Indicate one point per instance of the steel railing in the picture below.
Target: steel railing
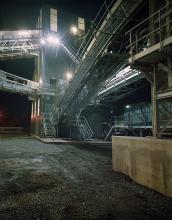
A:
(19, 84)
(84, 127)
(120, 78)
(155, 29)
(16, 83)
(108, 25)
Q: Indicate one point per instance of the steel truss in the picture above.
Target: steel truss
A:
(16, 44)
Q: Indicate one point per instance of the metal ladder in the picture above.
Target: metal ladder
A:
(84, 128)
(48, 125)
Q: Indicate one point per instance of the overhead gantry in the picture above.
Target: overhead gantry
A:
(19, 44)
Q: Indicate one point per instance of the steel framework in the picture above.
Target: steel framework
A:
(19, 44)
(151, 51)
(114, 16)
(16, 84)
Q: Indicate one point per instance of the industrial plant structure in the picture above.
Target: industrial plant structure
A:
(98, 80)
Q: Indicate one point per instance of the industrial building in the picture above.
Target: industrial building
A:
(71, 90)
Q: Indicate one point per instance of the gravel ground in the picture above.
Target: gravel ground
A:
(45, 181)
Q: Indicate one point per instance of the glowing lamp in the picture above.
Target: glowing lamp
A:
(74, 30)
(69, 75)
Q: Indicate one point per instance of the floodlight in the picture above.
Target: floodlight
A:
(74, 30)
(69, 75)
(42, 41)
(24, 33)
(53, 39)
(127, 106)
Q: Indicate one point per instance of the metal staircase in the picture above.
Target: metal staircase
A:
(84, 128)
(115, 15)
(70, 53)
(48, 125)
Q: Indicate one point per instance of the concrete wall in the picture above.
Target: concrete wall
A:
(148, 161)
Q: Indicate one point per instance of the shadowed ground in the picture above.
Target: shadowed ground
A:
(45, 181)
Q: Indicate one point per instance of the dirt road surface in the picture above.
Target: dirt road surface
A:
(50, 182)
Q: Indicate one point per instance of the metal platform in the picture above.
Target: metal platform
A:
(19, 44)
(122, 79)
(15, 84)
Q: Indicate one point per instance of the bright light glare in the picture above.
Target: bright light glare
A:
(40, 81)
(53, 40)
(24, 33)
(128, 106)
(74, 30)
(69, 75)
(42, 41)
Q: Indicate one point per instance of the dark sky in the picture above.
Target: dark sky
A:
(23, 13)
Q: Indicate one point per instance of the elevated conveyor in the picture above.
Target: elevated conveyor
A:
(115, 16)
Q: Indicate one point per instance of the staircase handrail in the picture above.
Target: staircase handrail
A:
(88, 126)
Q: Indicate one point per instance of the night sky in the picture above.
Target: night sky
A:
(23, 13)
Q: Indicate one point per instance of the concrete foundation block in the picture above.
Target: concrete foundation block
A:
(148, 161)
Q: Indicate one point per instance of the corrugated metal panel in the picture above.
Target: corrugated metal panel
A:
(53, 19)
(81, 24)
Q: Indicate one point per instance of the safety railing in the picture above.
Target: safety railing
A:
(47, 89)
(44, 125)
(12, 82)
(91, 134)
(108, 25)
(102, 13)
(93, 30)
(84, 127)
(134, 118)
(155, 29)
(123, 76)
(18, 84)
(52, 124)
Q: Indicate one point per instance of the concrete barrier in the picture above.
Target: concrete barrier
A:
(148, 161)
